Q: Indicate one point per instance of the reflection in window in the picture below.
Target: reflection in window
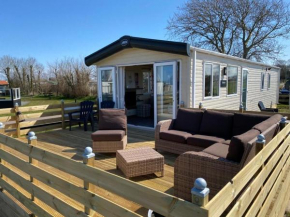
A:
(211, 80)
(107, 85)
(262, 80)
(232, 72)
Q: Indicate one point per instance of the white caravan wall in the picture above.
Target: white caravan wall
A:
(255, 94)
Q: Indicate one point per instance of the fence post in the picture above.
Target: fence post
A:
(283, 122)
(2, 131)
(88, 159)
(241, 108)
(32, 140)
(260, 143)
(16, 110)
(200, 192)
(200, 106)
(62, 114)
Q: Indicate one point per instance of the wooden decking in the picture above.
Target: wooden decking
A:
(72, 144)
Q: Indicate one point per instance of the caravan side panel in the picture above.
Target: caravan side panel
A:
(232, 102)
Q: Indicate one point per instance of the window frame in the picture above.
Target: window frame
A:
(262, 84)
(269, 81)
(233, 94)
(211, 85)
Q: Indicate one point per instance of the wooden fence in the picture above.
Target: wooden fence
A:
(265, 179)
(261, 188)
(19, 121)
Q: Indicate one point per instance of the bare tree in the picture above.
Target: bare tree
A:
(245, 28)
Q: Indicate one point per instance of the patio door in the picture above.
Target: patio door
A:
(106, 85)
(164, 91)
(245, 73)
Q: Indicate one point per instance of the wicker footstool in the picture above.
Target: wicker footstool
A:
(139, 161)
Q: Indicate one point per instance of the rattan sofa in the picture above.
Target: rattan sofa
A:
(112, 133)
(212, 145)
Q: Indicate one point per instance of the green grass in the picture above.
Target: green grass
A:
(283, 108)
(45, 100)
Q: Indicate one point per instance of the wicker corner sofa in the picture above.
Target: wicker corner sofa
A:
(212, 145)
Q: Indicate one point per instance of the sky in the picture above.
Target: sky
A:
(53, 29)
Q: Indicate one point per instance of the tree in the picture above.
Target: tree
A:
(244, 28)
(285, 69)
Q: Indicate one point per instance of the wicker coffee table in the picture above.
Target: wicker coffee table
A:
(139, 161)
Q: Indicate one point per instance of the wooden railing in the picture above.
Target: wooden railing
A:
(36, 182)
(19, 121)
(261, 187)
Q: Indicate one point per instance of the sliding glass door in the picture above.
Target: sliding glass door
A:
(165, 82)
(106, 84)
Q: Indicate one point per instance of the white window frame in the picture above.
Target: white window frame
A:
(233, 94)
(261, 84)
(211, 85)
(269, 81)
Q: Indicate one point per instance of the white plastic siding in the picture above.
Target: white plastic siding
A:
(255, 94)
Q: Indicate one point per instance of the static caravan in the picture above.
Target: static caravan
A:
(153, 78)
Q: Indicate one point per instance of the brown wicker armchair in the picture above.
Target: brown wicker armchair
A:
(112, 133)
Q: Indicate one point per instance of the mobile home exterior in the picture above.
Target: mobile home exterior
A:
(181, 76)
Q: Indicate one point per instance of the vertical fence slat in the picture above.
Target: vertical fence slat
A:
(32, 140)
(2, 131)
(88, 159)
(62, 114)
(16, 110)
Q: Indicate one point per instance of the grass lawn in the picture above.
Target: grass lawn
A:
(45, 100)
(284, 108)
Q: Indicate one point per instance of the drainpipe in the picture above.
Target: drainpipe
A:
(193, 76)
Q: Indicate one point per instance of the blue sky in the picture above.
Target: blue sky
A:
(52, 29)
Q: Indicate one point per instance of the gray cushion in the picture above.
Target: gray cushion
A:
(239, 144)
(217, 124)
(188, 120)
(218, 149)
(203, 140)
(174, 136)
(243, 122)
(112, 119)
(108, 135)
(268, 123)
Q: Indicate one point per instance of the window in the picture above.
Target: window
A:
(232, 72)
(262, 80)
(269, 81)
(211, 80)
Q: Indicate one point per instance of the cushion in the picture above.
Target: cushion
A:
(188, 120)
(244, 122)
(239, 144)
(112, 119)
(217, 124)
(268, 123)
(218, 149)
(227, 142)
(174, 136)
(108, 135)
(203, 140)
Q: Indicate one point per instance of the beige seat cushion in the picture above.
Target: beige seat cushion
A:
(174, 136)
(203, 140)
(108, 135)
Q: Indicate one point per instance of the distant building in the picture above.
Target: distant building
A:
(3, 86)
